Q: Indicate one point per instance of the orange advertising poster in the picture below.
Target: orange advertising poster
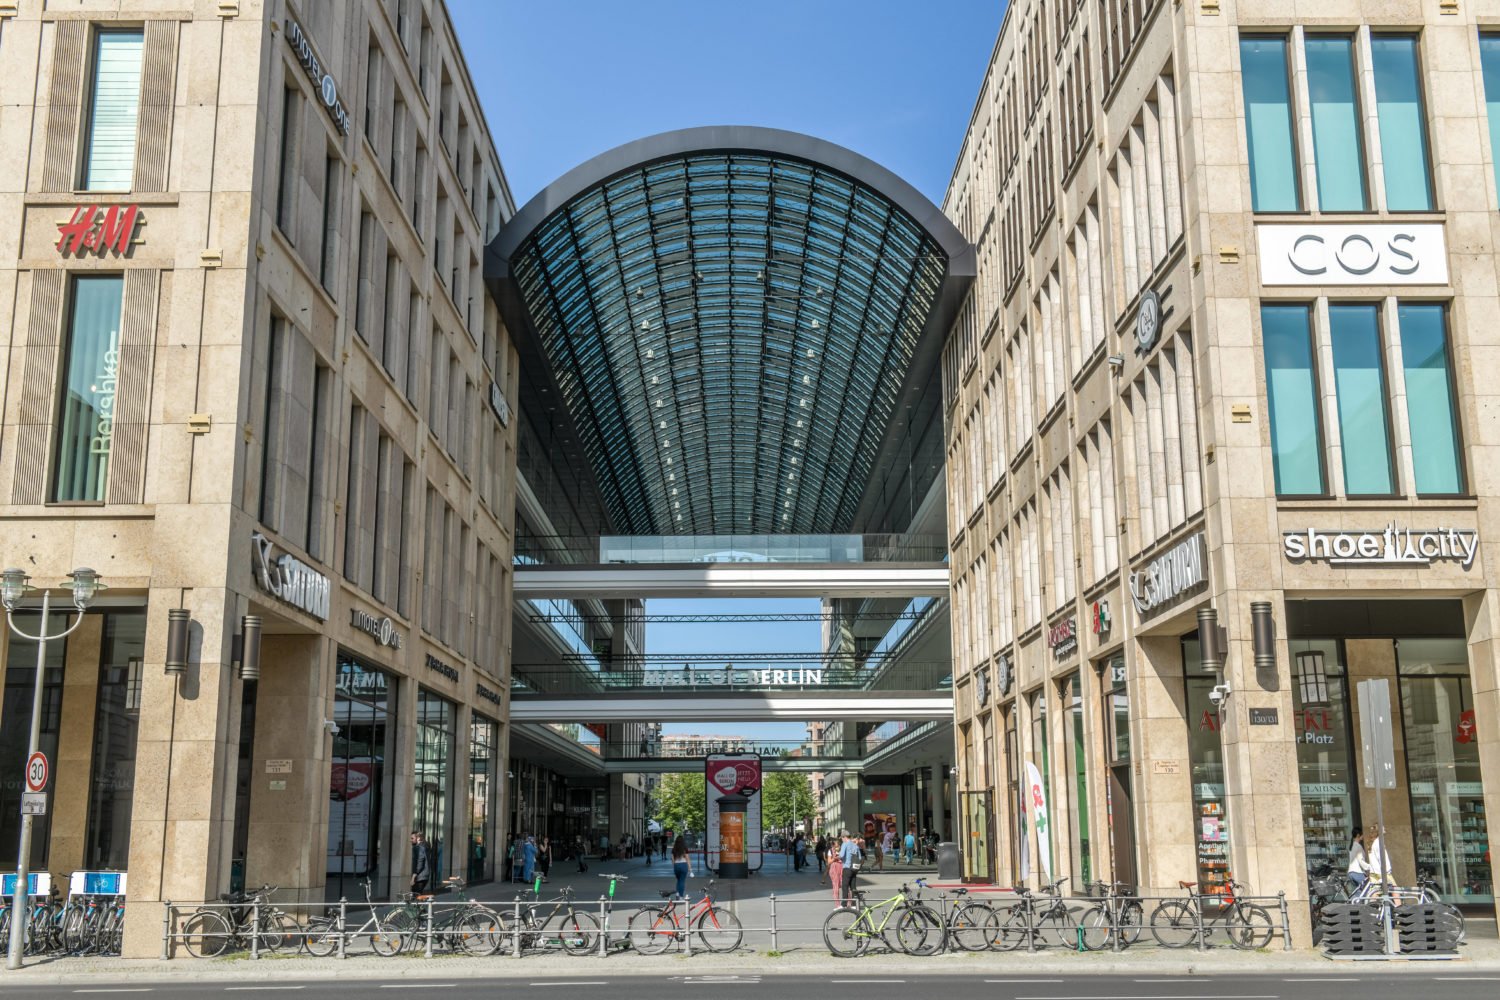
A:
(731, 837)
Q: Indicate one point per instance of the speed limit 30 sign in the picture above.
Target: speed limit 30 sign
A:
(36, 772)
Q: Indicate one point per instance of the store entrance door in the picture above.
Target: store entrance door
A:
(1121, 824)
(979, 836)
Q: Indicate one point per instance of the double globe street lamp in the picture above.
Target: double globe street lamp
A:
(14, 586)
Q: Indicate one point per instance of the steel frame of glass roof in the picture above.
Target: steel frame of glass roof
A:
(730, 317)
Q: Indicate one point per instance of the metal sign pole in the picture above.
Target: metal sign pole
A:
(1379, 759)
(23, 859)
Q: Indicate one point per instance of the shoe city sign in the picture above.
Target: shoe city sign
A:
(1394, 545)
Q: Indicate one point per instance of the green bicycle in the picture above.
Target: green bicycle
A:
(903, 922)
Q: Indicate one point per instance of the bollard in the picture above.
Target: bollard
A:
(427, 951)
(1286, 923)
(603, 926)
(343, 928)
(1116, 929)
(1198, 918)
(166, 928)
(773, 923)
(515, 931)
(1030, 930)
(254, 928)
(687, 931)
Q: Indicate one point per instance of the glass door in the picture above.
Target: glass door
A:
(979, 821)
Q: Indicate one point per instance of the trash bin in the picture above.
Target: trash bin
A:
(950, 861)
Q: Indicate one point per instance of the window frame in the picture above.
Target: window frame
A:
(1424, 104)
(87, 104)
(1391, 448)
(60, 388)
(1363, 152)
(1321, 432)
(1466, 489)
(1285, 37)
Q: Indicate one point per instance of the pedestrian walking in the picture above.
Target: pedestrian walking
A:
(909, 846)
(544, 858)
(820, 849)
(1359, 860)
(682, 866)
(799, 853)
(835, 870)
(852, 856)
(528, 858)
(650, 844)
(421, 864)
(1380, 858)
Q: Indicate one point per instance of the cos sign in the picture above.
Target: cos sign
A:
(1367, 254)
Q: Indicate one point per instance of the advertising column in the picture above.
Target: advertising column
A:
(729, 775)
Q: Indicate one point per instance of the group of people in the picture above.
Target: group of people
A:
(1368, 857)
(529, 857)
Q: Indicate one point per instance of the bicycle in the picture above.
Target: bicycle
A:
(918, 929)
(972, 925)
(575, 930)
(471, 927)
(1177, 923)
(323, 935)
(1119, 916)
(1031, 920)
(210, 932)
(652, 929)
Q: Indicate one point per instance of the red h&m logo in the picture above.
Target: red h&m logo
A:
(95, 229)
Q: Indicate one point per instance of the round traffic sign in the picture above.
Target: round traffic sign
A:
(36, 772)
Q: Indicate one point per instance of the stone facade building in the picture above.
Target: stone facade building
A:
(1227, 360)
(251, 370)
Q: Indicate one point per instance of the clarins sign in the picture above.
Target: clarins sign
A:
(1394, 545)
(1359, 254)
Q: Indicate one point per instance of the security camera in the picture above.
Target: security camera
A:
(331, 727)
(1116, 361)
(1219, 694)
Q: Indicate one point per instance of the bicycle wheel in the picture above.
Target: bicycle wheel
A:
(1094, 928)
(205, 934)
(1015, 928)
(919, 930)
(78, 930)
(321, 937)
(652, 930)
(720, 930)
(578, 930)
(1248, 926)
(387, 941)
(846, 932)
(974, 927)
(1132, 918)
(1060, 924)
(277, 930)
(1174, 924)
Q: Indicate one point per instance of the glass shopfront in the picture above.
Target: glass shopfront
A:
(1077, 761)
(359, 787)
(1449, 833)
(1015, 803)
(1041, 757)
(483, 761)
(1120, 810)
(15, 732)
(116, 728)
(1206, 763)
(1324, 733)
(86, 402)
(433, 782)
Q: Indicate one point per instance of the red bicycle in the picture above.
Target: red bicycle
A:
(653, 929)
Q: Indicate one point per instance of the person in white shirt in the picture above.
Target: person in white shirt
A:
(1359, 860)
(1380, 859)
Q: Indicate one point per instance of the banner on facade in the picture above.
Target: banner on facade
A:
(732, 774)
(1039, 819)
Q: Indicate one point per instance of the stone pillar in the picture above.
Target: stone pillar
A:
(288, 842)
(1161, 773)
(75, 747)
(182, 819)
(402, 777)
(456, 859)
(1481, 612)
(1375, 659)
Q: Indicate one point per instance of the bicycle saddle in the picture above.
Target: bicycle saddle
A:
(423, 897)
(665, 893)
(1186, 885)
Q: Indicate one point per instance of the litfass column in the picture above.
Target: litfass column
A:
(732, 862)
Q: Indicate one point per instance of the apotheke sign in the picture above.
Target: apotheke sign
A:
(328, 89)
(1393, 546)
(1174, 572)
(1360, 254)
(289, 579)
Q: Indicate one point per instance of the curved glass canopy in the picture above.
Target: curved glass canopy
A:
(730, 324)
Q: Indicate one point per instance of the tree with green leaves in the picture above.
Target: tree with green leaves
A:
(786, 797)
(681, 802)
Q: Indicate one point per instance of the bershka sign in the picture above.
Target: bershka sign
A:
(382, 630)
(328, 89)
(1063, 637)
(289, 579)
(1174, 572)
(1358, 254)
(94, 229)
(1393, 546)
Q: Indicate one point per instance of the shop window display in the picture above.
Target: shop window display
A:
(433, 781)
(1320, 697)
(116, 727)
(1206, 763)
(15, 732)
(359, 821)
(1077, 755)
(483, 761)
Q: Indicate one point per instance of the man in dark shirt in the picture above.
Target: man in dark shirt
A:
(421, 863)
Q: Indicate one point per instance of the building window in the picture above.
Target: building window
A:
(326, 260)
(286, 170)
(86, 406)
(1403, 134)
(432, 783)
(116, 726)
(1268, 124)
(1429, 398)
(114, 105)
(1338, 146)
(1292, 398)
(1359, 382)
(1489, 59)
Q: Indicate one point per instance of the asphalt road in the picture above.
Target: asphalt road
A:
(841, 984)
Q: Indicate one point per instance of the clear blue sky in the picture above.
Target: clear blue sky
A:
(892, 80)
(563, 81)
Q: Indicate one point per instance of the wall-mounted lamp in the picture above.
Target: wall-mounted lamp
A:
(1116, 361)
(177, 641)
(249, 642)
(1263, 635)
(1212, 640)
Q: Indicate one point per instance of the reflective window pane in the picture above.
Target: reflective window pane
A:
(1489, 59)
(1403, 129)
(1337, 144)
(1359, 380)
(1429, 398)
(86, 409)
(1291, 397)
(1268, 125)
(114, 105)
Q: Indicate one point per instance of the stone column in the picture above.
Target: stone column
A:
(460, 849)
(75, 747)
(1375, 659)
(1161, 771)
(1481, 612)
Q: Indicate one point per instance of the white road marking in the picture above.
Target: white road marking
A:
(231, 989)
(574, 982)
(1321, 979)
(119, 989)
(1467, 979)
(436, 986)
(1168, 996)
(1019, 982)
(872, 981)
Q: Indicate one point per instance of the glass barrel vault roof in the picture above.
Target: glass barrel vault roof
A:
(730, 330)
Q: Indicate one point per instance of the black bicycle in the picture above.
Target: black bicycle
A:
(1177, 923)
(1041, 918)
(1119, 915)
(564, 925)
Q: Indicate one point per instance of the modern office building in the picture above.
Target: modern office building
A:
(1226, 365)
(252, 372)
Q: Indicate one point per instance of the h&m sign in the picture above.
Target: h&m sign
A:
(94, 229)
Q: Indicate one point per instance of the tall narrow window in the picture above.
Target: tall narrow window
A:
(1292, 398)
(1489, 60)
(86, 407)
(286, 171)
(114, 105)
(1337, 144)
(331, 165)
(1359, 381)
(1403, 128)
(1268, 125)
(1429, 398)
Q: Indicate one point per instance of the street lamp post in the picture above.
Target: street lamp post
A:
(14, 584)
